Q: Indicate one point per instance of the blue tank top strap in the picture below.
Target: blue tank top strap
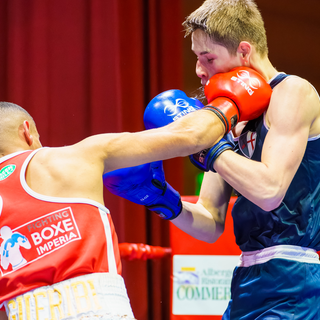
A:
(278, 79)
(252, 124)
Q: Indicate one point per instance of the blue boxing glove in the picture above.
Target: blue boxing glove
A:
(145, 185)
(204, 159)
(167, 107)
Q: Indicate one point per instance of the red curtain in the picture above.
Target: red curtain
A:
(83, 67)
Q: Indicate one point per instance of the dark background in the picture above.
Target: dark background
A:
(84, 67)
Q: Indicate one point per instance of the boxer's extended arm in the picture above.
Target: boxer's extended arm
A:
(191, 133)
(76, 171)
(195, 131)
(293, 116)
(239, 94)
(78, 168)
(205, 219)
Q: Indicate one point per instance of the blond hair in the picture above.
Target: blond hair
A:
(228, 22)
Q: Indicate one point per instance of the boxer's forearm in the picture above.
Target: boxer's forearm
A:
(199, 223)
(190, 134)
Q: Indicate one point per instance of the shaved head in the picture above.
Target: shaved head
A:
(12, 118)
(8, 108)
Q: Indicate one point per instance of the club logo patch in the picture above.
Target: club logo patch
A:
(37, 238)
(247, 143)
(6, 171)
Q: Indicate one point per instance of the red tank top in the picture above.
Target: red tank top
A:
(45, 240)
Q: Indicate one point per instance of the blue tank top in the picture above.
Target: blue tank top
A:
(297, 220)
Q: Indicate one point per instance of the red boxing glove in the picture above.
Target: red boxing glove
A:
(239, 95)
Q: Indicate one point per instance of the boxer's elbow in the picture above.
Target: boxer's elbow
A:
(271, 197)
(212, 237)
(271, 203)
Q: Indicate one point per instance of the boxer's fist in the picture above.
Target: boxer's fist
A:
(145, 185)
(167, 107)
(239, 95)
(205, 159)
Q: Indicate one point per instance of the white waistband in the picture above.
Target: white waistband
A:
(98, 296)
(287, 252)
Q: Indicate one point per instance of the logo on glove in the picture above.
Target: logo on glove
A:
(173, 109)
(249, 83)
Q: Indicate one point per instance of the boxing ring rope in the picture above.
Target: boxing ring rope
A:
(140, 251)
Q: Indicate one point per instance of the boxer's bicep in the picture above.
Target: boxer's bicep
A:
(290, 116)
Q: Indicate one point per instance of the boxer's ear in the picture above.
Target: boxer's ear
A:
(26, 132)
(245, 51)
